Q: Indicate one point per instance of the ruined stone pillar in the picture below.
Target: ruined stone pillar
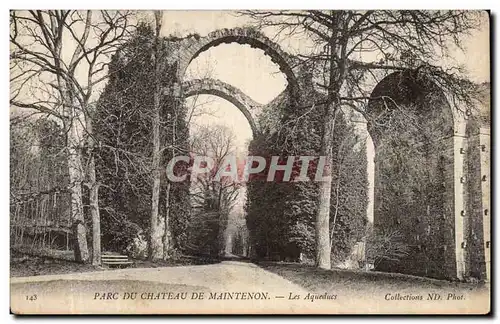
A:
(459, 202)
(479, 202)
(484, 147)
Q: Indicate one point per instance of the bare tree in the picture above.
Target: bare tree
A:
(357, 48)
(155, 235)
(58, 59)
(195, 108)
(385, 246)
(215, 198)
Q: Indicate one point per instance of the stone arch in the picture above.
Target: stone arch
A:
(403, 89)
(412, 127)
(193, 46)
(225, 91)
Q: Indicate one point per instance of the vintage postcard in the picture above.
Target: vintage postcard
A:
(250, 162)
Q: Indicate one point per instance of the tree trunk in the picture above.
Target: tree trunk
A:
(167, 234)
(155, 252)
(93, 197)
(323, 247)
(166, 229)
(155, 241)
(337, 192)
(75, 169)
(94, 212)
(221, 228)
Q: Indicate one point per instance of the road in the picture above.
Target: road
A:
(229, 287)
(251, 290)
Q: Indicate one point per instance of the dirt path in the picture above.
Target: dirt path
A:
(250, 288)
(228, 287)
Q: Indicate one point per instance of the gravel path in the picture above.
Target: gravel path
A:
(229, 287)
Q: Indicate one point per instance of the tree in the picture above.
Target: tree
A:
(155, 234)
(36, 163)
(349, 189)
(354, 49)
(58, 58)
(385, 246)
(280, 214)
(38, 188)
(125, 134)
(212, 198)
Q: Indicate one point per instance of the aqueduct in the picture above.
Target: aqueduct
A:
(191, 47)
(244, 103)
(440, 202)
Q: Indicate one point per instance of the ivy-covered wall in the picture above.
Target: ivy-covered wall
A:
(124, 133)
(414, 177)
(281, 215)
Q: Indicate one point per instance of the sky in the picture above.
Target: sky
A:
(243, 67)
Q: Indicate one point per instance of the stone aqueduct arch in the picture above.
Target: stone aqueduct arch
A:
(449, 228)
(191, 47)
(416, 162)
(459, 200)
(225, 91)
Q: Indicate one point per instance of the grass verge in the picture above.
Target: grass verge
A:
(319, 280)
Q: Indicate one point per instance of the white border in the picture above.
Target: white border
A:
(254, 4)
(203, 5)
